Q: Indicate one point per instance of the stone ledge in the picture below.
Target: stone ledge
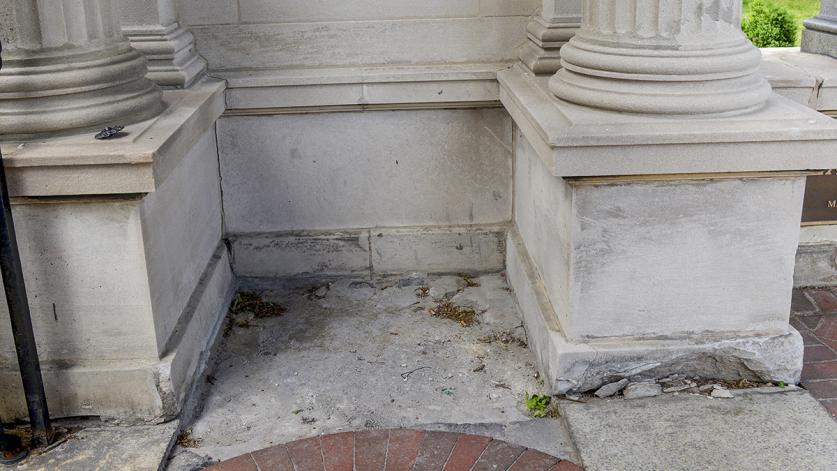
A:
(574, 141)
(77, 164)
(808, 79)
(816, 265)
(451, 249)
(362, 87)
(580, 367)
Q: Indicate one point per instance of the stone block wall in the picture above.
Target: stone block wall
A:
(329, 193)
(127, 291)
(318, 33)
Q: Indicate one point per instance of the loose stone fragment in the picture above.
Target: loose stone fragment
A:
(721, 393)
(610, 389)
(642, 390)
(675, 386)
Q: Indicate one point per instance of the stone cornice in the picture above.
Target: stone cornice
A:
(575, 141)
(806, 78)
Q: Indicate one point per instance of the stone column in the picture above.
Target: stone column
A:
(153, 29)
(662, 56)
(820, 35)
(548, 32)
(67, 66)
(655, 224)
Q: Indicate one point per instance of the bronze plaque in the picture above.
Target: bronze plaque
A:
(821, 199)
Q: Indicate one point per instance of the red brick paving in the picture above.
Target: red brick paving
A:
(395, 450)
(338, 451)
(498, 455)
(275, 459)
(434, 451)
(403, 449)
(815, 316)
(466, 452)
(533, 460)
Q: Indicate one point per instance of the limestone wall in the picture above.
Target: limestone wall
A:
(391, 174)
(181, 225)
(319, 33)
(86, 279)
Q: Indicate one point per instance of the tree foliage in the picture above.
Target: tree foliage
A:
(770, 25)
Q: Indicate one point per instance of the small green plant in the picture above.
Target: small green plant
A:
(770, 25)
(537, 404)
(782, 384)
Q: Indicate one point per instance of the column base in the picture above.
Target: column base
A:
(572, 367)
(170, 50)
(542, 52)
(60, 93)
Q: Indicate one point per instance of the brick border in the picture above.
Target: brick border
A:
(396, 450)
(814, 315)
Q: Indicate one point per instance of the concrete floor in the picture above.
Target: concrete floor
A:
(354, 354)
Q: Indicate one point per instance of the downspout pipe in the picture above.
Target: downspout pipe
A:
(21, 319)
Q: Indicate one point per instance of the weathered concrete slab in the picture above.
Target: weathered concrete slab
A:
(139, 448)
(362, 354)
(690, 432)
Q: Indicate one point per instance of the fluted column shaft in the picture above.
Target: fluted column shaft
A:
(820, 34)
(153, 29)
(662, 56)
(66, 65)
(557, 22)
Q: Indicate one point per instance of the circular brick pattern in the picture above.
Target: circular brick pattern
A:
(396, 450)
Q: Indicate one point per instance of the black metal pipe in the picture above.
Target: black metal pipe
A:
(21, 319)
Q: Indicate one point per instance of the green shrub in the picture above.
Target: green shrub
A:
(770, 25)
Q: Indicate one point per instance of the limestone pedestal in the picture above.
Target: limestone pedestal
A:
(820, 34)
(658, 196)
(548, 32)
(127, 277)
(152, 27)
(645, 246)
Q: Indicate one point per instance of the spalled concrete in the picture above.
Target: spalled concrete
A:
(355, 353)
(688, 432)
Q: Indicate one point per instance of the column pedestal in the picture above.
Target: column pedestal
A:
(645, 246)
(548, 32)
(153, 30)
(658, 196)
(820, 34)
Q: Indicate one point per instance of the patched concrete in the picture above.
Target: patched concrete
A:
(690, 432)
(351, 354)
(103, 448)
(373, 251)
